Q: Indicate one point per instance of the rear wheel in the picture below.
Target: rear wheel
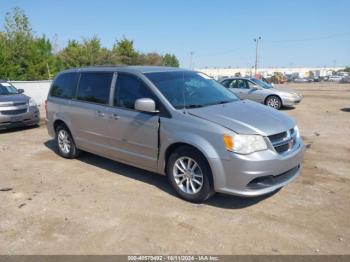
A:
(65, 143)
(274, 101)
(190, 175)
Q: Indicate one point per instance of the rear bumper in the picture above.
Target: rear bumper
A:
(29, 118)
(257, 174)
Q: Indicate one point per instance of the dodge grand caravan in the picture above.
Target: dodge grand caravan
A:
(178, 123)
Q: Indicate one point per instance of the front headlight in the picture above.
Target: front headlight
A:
(244, 144)
(32, 102)
(290, 96)
(296, 130)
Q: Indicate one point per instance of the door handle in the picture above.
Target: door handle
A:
(100, 114)
(115, 116)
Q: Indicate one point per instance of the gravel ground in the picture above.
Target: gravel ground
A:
(91, 205)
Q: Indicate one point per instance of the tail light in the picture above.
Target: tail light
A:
(46, 106)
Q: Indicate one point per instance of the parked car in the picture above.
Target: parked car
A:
(175, 122)
(16, 109)
(303, 80)
(345, 80)
(335, 78)
(261, 92)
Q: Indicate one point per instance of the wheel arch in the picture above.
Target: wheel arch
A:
(171, 148)
(270, 95)
(58, 122)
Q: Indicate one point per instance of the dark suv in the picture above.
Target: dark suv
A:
(16, 109)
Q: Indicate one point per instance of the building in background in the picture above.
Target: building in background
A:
(296, 72)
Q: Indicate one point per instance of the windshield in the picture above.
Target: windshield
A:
(261, 83)
(188, 89)
(7, 89)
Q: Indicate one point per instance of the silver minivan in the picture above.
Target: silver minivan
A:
(178, 123)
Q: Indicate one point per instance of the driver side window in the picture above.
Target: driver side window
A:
(128, 89)
(234, 84)
(239, 83)
(251, 85)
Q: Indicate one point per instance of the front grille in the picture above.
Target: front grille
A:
(19, 103)
(7, 104)
(13, 112)
(278, 136)
(282, 142)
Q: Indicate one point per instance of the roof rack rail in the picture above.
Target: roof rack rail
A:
(106, 65)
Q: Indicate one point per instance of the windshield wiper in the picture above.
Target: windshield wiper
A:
(194, 106)
(220, 103)
(224, 102)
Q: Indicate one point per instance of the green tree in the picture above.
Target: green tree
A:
(87, 53)
(71, 55)
(23, 56)
(123, 52)
(152, 59)
(90, 51)
(3, 54)
(170, 60)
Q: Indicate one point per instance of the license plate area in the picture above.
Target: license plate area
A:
(16, 119)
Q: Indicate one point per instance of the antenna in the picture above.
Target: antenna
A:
(191, 59)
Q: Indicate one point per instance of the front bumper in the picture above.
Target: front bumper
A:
(259, 173)
(291, 101)
(29, 118)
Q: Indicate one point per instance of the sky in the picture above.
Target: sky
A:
(218, 33)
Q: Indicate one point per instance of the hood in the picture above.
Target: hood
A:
(285, 90)
(246, 117)
(13, 98)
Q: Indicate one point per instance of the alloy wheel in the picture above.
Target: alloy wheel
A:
(273, 102)
(188, 175)
(64, 141)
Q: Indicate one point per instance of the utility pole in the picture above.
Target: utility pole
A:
(256, 40)
(48, 70)
(191, 57)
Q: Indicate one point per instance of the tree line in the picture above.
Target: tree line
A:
(25, 56)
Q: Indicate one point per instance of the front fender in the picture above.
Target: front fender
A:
(199, 142)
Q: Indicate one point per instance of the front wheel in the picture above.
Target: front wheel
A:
(190, 175)
(274, 101)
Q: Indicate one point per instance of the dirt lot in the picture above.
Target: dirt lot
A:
(96, 206)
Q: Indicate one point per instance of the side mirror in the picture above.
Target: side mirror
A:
(256, 87)
(20, 91)
(146, 105)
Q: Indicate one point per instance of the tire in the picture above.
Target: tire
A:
(274, 102)
(201, 187)
(65, 143)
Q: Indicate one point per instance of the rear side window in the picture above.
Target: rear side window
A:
(239, 83)
(65, 85)
(95, 87)
(128, 89)
(226, 83)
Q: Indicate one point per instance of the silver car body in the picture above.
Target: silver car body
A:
(249, 88)
(145, 140)
(15, 110)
